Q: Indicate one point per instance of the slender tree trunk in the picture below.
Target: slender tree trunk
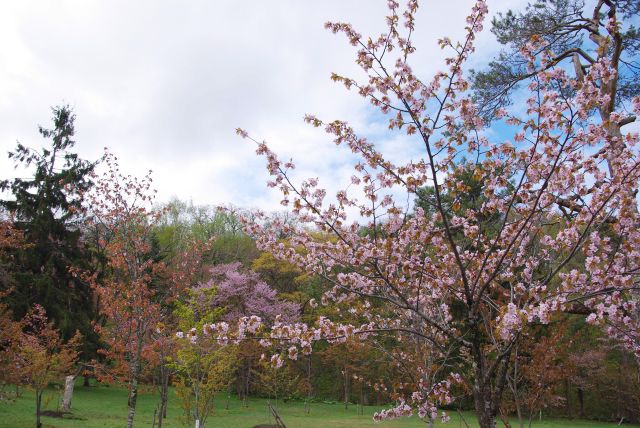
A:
(133, 392)
(519, 412)
(69, 383)
(196, 415)
(581, 401)
(248, 380)
(505, 419)
(165, 397)
(165, 402)
(567, 394)
(307, 405)
(346, 389)
(513, 385)
(85, 382)
(164, 392)
(38, 404)
(620, 395)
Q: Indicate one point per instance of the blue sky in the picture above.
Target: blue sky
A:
(164, 84)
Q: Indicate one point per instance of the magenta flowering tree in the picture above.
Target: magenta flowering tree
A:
(242, 293)
(554, 227)
(242, 302)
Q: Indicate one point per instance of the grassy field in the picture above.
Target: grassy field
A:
(106, 407)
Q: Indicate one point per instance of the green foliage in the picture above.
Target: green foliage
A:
(201, 371)
(201, 366)
(48, 209)
(184, 222)
(278, 384)
(190, 313)
(282, 276)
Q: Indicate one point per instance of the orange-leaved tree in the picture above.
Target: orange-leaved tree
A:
(41, 355)
(10, 239)
(129, 291)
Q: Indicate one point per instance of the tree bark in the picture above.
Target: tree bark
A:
(307, 404)
(486, 417)
(482, 394)
(513, 385)
(133, 393)
(248, 380)
(164, 393)
(346, 388)
(488, 385)
(581, 401)
(69, 383)
(38, 404)
(165, 398)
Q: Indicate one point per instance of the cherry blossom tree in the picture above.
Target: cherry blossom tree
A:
(129, 293)
(555, 229)
(184, 268)
(235, 293)
(241, 292)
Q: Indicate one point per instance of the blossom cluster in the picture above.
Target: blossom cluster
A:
(491, 249)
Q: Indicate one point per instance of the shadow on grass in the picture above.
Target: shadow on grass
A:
(61, 415)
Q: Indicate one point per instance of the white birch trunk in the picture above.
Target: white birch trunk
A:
(69, 382)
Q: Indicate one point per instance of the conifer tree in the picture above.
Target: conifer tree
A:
(48, 210)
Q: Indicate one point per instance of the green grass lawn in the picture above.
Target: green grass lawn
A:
(106, 407)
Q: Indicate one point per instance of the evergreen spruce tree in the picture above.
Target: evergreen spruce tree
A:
(48, 209)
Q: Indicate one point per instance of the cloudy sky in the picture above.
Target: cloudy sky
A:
(164, 83)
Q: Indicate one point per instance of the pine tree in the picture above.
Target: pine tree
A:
(48, 209)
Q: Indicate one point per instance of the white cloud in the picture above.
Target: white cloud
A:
(164, 84)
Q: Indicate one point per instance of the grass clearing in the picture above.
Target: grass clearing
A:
(102, 406)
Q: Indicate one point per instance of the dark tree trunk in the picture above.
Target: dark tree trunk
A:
(484, 410)
(240, 383)
(489, 383)
(38, 404)
(581, 401)
(307, 404)
(247, 380)
(346, 389)
(164, 393)
(567, 395)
